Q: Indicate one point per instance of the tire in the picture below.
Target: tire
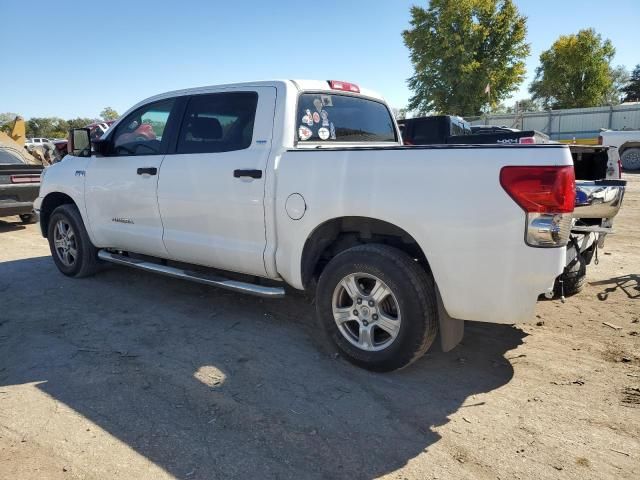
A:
(573, 277)
(406, 321)
(630, 159)
(28, 218)
(82, 263)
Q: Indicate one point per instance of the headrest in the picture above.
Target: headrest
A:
(205, 128)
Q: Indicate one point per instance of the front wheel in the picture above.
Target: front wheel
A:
(71, 249)
(378, 306)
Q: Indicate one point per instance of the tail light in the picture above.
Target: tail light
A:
(619, 167)
(527, 140)
(24, 178)
(547, 195)
(345, 86)
(600, 140)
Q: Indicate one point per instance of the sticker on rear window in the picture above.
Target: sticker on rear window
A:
(323, 133)
(325, 118)
(304, 133)
(318, 104)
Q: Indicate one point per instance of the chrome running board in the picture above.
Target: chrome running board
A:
(204, 278)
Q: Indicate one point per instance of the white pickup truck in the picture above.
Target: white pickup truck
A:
(250, 186)
(628, 144)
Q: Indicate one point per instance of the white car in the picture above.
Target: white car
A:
(307, 183)
(628, 144)
(36, 141)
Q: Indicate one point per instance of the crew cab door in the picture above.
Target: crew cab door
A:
(211, 190)
(121, 186)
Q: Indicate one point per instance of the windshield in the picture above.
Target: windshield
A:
(324, 118)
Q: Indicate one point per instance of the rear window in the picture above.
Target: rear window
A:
(8, 157)
(326, 118)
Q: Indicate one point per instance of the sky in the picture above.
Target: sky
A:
(71, 59)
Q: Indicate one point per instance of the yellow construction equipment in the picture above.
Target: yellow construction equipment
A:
(16, 141)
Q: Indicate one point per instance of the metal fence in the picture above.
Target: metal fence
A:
(571, 123)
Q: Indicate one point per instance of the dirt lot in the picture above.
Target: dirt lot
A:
(133, 376)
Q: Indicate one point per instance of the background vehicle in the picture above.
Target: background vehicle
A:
(597, 173)
(19, 184)
(250, 185)
(628, 144)
(37, 141)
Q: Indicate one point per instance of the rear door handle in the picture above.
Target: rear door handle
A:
(148, 171)
(247, 173)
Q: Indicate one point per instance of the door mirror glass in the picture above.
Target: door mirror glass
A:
(80, 142)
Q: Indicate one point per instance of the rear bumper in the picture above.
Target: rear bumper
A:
(598, 199)
(17, 208)
(17, 199)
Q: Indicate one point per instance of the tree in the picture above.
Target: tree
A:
(575, 72)
(6, 121)
(109, 113)
(620, 78)
(632, 90)
(79, 122)
(49, 127)
(528, 105)
(399, 113)
(458, 47)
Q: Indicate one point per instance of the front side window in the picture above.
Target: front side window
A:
(218, 122)
(343, 118)
(141, 133)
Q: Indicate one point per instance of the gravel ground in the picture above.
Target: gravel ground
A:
(130, 375)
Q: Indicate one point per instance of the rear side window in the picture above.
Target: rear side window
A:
(218, 122)
(343, 118)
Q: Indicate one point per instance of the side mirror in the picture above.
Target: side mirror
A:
(79, 142)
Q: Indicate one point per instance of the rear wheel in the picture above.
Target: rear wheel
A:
(71, 249)
(630, 159)
(378, 306)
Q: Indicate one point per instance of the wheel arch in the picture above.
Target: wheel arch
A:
(50, 202)
(337, 234)
(628, 145)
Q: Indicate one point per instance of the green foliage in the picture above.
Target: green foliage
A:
(109, 113)
(529, 105)
(6, 121)
(53, 127)
(79, 122)
(458, 47)
(632, 90)
(620, 78)
(575, 72)
(399, 113)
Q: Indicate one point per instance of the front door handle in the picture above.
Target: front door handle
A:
(247, 173)
(147, 171)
